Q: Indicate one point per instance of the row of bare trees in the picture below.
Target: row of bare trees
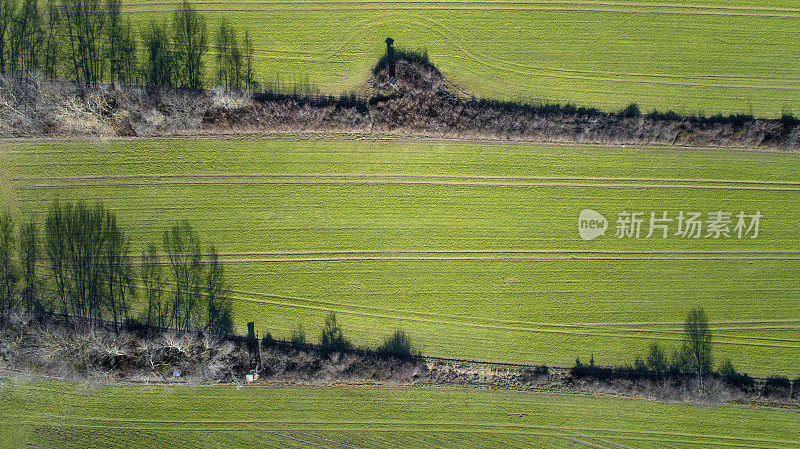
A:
(90, 41)
(90, 274)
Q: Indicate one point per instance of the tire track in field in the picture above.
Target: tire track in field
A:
(531, 328)
(482, 58)
(468, 324)
(475, 258)
(458, 317)
(610, 443)
(574, 71)
(475, 251)
(405, 182)
(583, 326)
(504, 65)
(472, 8)
(479, 2)
(327, 304)
(579, 326)
(310, 443)
(400, 175)
(575, 440)
(326, 440)
(500, 328)
(394, 426)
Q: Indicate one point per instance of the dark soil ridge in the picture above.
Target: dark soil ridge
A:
(424, 105)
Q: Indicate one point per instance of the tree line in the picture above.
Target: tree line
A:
(78, 264)
(91, 277)
(692, 357)
(89, 41)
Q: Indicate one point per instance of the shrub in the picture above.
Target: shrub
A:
(406, 55)
(788, 120)
(656, 360)
(590, 371)
(733, 378)
(630, 111)
(332, 335)
(267, 340)
(670, 116)
(398, 345)
(532, 373)
(299, 336)
(777, 386)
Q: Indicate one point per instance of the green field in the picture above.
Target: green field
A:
(49, 414)
(471, 247)
(690, 56)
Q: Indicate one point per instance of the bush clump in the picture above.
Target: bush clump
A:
(332, 338)
(398, 345)
(777, 386)
(630, 111)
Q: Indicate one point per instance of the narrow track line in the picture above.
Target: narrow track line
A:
(480, 2)
(310, 443)
(399, 175)
(468, 8)
(423, 426)
(479, 251)
(500, 328)
(404, 182)
(477, 258)
(326, 440)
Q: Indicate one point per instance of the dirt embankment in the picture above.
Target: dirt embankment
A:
(423, 104)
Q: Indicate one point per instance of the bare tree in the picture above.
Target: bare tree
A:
(191, 42)
(219, 306)
(115, 35)
(26, 38)
(87, 252)
(183, 247)
(248, 55)
(126, 65)
(7, 12)
(157, 65)
(29, 252)
(229, 57)
(8, 270)
(55, 228)
(85, 22)
(697, 343)
(119, 283)
(152, 276)
(52, 38)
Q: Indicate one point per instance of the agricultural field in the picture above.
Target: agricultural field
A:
(471, 247)
(51, 414)
(706, 57)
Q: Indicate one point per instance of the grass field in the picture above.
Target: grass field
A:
(49, 414)
(692, 57)
(471, 247)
